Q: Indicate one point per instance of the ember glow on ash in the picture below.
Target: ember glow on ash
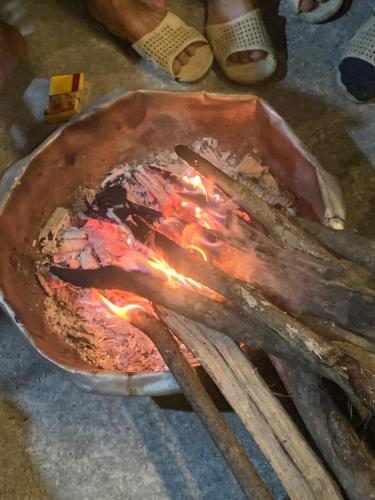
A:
(183, 206)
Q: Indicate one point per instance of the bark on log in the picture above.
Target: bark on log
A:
(350, 460)
(331, 331)
(194, 391)
(298, 468)
(349, 245)
(256, 322)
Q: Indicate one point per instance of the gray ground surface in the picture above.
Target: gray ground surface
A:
(58, 443)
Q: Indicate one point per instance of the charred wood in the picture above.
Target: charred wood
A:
(347, 244)
(299, 469)
(194, 391)
(347, 455)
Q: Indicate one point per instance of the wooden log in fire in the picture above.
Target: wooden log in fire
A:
(297, 466)
(352, 463)
(294, 280)
(299, 283)
(347, 244)
(194, 391)
(274, 221)
(256, 322)
(277, 225)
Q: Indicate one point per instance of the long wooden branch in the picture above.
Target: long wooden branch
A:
(300, 471)
(347, 244)
(256, 321)
(348, 457)
(194, 391)
(275, 222)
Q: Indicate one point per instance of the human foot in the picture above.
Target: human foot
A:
(316, 11)
(133, 19)
(222, 11)
(239, 40)
(310, 5)
(12, 50)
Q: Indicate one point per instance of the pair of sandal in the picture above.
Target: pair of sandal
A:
(173, 35)
(246, 33)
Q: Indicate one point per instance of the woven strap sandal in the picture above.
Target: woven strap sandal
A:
(245, 33)
(324, 12)
(164, 44)
(356, 75)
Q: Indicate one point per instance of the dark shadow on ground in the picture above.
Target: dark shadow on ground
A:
(19, 478)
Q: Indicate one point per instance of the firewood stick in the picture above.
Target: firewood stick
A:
(347, 244)
(194, 391)
(297, 466)
(321, 295)
(275, 222)
(256, 322)
(350, 460)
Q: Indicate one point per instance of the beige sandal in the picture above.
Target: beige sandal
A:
(325, 11)
(167, 41)
(242, 34)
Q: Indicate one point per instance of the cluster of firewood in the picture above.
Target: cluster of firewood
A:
(322, 345)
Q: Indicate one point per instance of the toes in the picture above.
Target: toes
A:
(176, 66)
(308, 5)
(191, 50)
(183, 57)
(243, 57)
(257, 55)
(247, 56)
(233, 58)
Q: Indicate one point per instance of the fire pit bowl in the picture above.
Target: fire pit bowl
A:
(123, 129)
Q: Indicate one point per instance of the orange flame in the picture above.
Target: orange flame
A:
(123, 311)
(191, 237)
(196, 182)
(199, 250)
(173, 277)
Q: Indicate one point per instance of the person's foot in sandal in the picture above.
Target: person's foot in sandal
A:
(239, 40)
(316, 11)
(356, 73)
(157, 35)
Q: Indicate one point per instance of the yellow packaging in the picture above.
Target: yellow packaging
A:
(65, 94)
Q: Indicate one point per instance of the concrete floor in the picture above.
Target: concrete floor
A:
(55, 441)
